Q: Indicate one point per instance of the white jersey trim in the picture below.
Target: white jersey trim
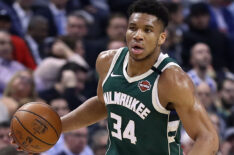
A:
(155, 99)
(142, 76)
(112, 64)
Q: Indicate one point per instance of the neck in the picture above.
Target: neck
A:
(201, 73)
(138, 67)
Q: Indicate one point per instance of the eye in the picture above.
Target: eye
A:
(133, 28)
(147, 30)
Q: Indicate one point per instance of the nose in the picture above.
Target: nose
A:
(138, 35)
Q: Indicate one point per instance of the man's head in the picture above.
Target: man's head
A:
(60, 105)
(204, 94)
(79, 72)
(4, 137)
(200, 56)
(76, 26)
(38, 28)
(6, 46)
(199, 17)
(99, 142)
(226, 90)
(117, 27)
(76, 140)
(5, 20)
(145, 34)
(176, 12)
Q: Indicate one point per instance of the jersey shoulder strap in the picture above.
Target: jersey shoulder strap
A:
(164, 63)
(120, 54)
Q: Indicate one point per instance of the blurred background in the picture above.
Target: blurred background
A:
(48, 50)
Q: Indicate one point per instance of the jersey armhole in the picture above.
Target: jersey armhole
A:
(116, 56)
(155, 99)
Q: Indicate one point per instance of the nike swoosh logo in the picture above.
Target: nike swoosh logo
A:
(115, 75)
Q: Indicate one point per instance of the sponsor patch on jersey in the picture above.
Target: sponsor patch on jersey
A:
(144, 85)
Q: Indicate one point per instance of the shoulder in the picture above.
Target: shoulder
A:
(174, 84)
(104, 61)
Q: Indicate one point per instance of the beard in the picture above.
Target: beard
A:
(226, 104)
(202, 67)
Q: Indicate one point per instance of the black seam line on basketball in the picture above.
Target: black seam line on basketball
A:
(30, 132)
(15, 138)
(43, 119)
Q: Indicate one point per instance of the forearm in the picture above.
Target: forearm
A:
(206, 145)
(86, 114)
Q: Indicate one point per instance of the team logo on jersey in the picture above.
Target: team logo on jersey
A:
(144, 85)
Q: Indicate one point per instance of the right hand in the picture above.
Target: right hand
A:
(69, 79)
(14, 143)
(60, 49)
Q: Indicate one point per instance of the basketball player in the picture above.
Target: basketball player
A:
(141, 91)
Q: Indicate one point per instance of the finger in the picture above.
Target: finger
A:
(19, 149)
(12, 141)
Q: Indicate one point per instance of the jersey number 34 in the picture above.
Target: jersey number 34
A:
(129, 131)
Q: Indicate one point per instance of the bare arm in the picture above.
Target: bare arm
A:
(176, 87)
(92, 110)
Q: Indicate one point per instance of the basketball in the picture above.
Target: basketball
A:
(36, 127)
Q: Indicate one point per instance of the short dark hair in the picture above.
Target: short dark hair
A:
(78, 14)
(199, 9)
(228, 77)
(71, 66)
(4, 15)
(152, 7)
(35, 21)
(172, 7)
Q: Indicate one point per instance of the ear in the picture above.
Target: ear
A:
(162, 38)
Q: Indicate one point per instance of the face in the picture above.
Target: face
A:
(4, 138)
(40, 32)
(227, 93)
(76, 140)
(178, 17)
(60, 106)
(201, 56)
(22, 85)
(81, 79)
(144, 35)
(76, 27)
(101, 147)
(5, 46)
(204, 94)
(200, 22)
(117, 28)
(5, 25)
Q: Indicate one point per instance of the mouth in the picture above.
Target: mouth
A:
(136, 49)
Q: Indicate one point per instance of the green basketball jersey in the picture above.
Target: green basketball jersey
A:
(138, 124)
